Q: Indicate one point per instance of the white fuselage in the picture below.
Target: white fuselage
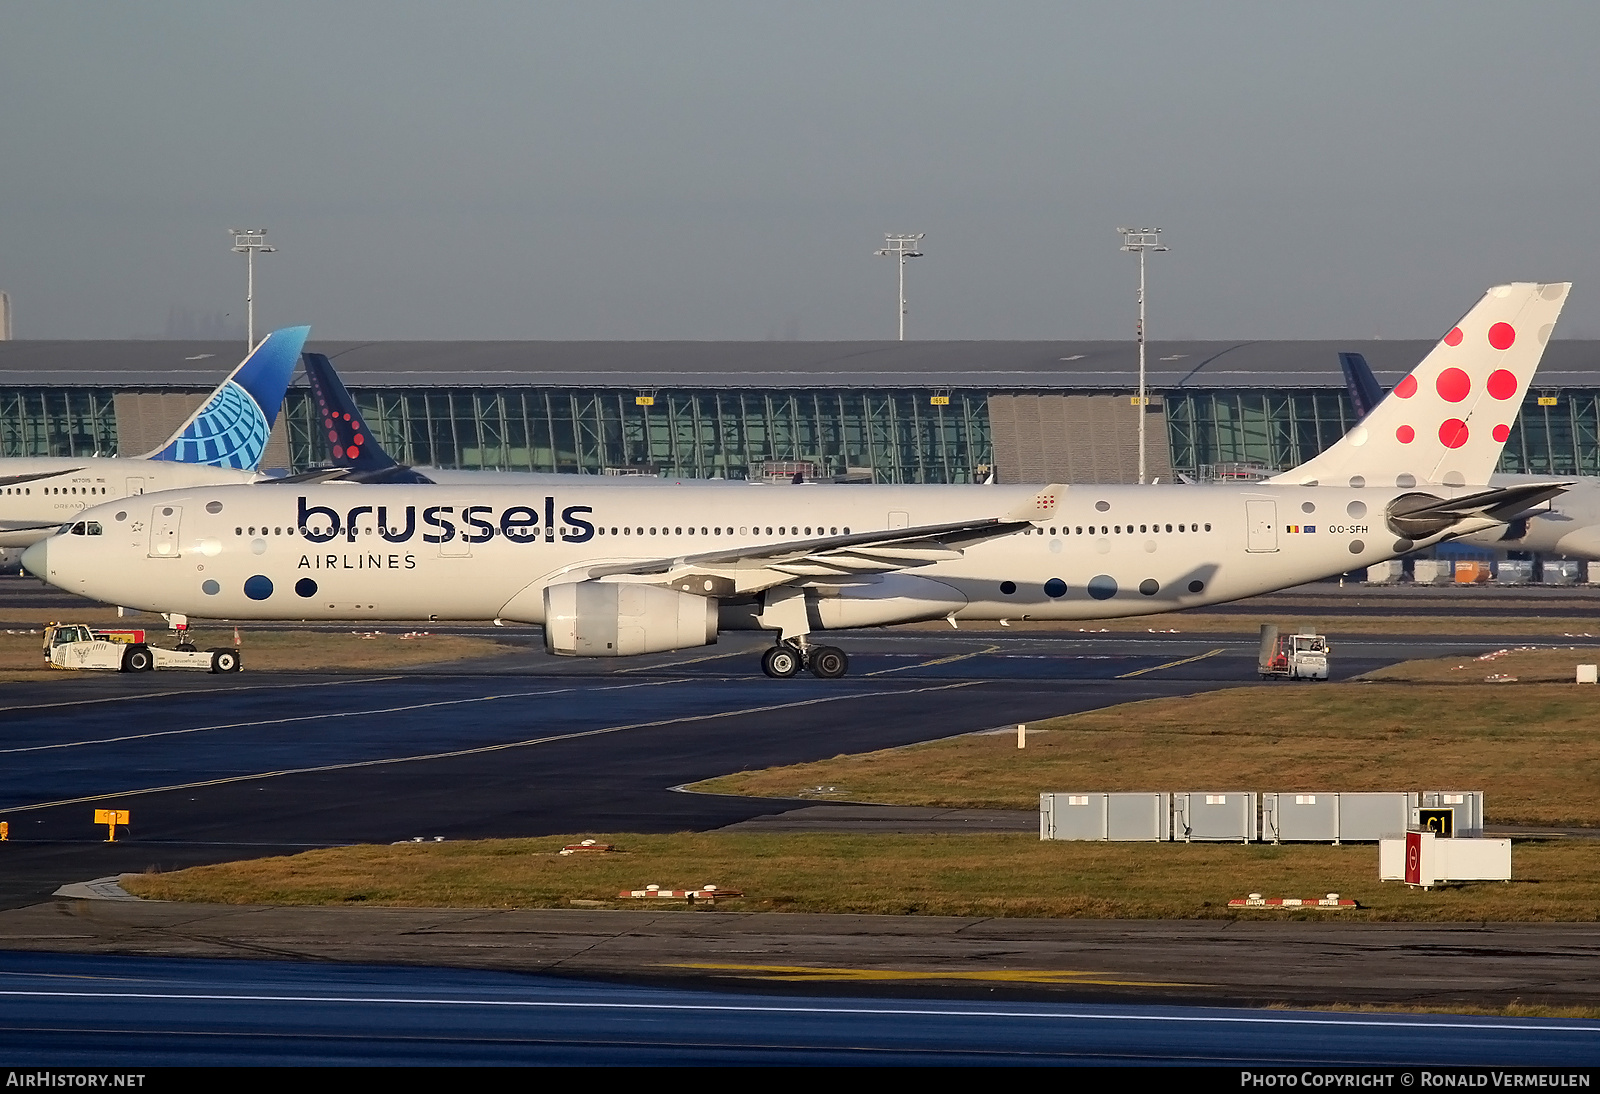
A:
(32, 509)
(487, 552)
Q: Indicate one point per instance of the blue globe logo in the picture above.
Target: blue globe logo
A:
(230, 431)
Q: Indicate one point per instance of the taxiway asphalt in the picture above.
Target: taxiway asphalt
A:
(219, 768)
(215, 768)
(132, 1013)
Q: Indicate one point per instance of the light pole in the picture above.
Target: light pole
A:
(1141, 240)
(249, 242)
(902, 246)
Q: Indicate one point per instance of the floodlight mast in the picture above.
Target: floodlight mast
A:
(902, 246)
(249, 242)
(1140, 240)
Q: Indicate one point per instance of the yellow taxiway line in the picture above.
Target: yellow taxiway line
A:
(1009, 976)
(1173, 664)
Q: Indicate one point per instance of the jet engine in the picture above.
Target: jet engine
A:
(606, 619)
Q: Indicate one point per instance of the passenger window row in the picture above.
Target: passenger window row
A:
(1111, 529)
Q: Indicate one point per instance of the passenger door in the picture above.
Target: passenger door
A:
(1262, 519)
(164, 521)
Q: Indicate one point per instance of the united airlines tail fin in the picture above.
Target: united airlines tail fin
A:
(231, 428)
(1365, 391)
(1447, 422)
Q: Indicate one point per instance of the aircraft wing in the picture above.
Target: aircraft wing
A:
(18, 480)
(825, 559)
(396, 473)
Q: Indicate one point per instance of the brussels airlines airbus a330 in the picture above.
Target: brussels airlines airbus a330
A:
(616, 572)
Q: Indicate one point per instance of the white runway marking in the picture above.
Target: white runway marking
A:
(320, 717)
(481, 749)
(688, 661)
(1376, 1022)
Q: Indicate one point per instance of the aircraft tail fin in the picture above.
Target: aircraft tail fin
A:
(1448, 420)
(231, 427)
(349, 439)
(1365, 391)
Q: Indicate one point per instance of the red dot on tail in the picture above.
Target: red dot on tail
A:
(1501, 432)
(333, 435)
(355, 451)
(1453, 433)
(1453, 385)
(358, 439)
(1405, 434)
(1454, 337)
(338, 452)
(1501, 335)
(1406, 388)
(1502, 384)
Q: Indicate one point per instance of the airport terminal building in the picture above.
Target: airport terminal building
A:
(886, 412)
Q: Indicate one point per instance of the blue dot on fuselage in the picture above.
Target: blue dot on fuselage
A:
(258, 587)
(1055, 587)
(1103, 587)
(305, 587)
(210, 588)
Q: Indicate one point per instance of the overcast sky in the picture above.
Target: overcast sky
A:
(724, 170)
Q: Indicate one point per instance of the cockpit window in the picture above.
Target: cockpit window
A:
(84, 528)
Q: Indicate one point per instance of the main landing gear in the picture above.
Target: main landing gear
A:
(786, 659)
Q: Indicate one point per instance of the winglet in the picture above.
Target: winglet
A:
(1365, 391)
(231, 428)
(1042, 506)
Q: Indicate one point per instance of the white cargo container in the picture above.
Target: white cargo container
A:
(1425, 859)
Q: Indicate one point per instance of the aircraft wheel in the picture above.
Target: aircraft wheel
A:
(185, 647)
(781, 662)
(829, 662)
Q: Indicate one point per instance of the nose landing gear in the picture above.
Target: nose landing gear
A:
(786, 659)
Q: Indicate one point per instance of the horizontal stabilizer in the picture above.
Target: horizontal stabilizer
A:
(1418, 516)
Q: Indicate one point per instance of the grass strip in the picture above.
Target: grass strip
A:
(1531, 747)
(957, 874)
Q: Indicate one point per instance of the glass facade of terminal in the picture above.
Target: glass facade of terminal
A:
(62, 421)
(1555, 432)
(887, 435)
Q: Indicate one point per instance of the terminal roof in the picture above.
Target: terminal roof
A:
(988, 365)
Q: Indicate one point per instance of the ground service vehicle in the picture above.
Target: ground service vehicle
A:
(1294, 656)
(78, 646)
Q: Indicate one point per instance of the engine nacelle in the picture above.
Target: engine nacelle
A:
(605, 619)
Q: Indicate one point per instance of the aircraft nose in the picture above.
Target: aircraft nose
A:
(35, 559)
